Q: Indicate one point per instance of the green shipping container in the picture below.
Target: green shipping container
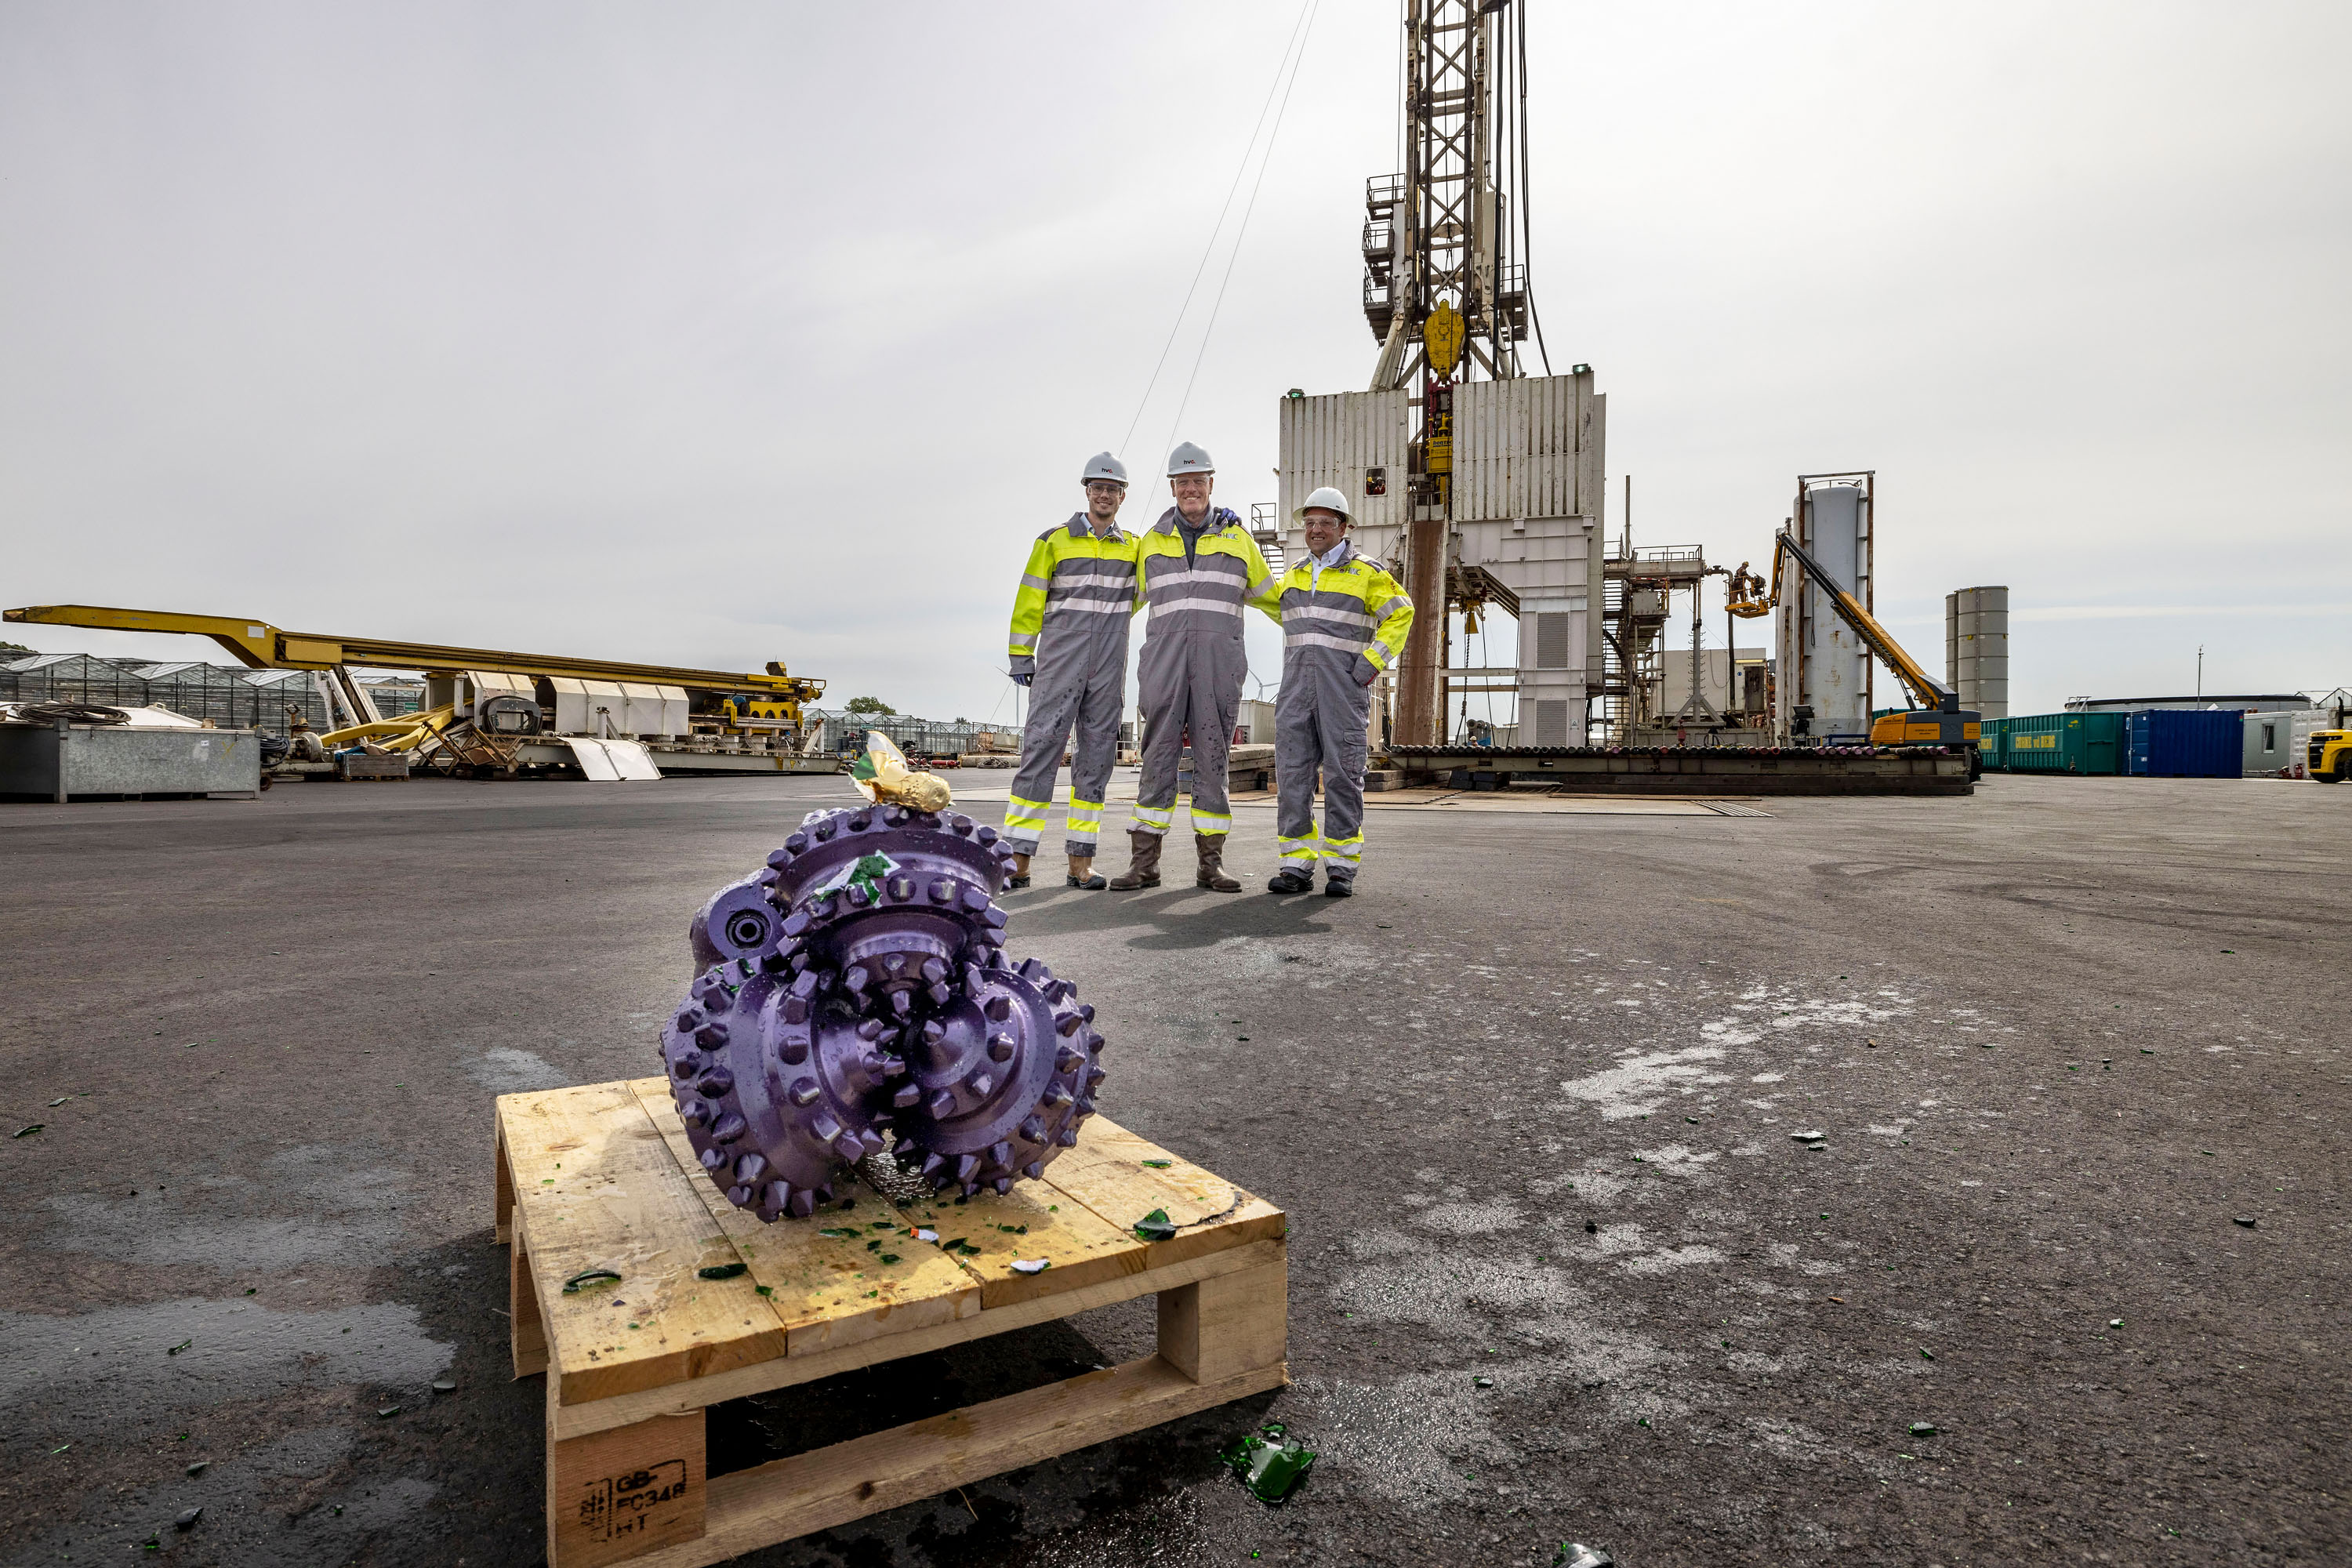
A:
(1992, 746)
(2064, 744)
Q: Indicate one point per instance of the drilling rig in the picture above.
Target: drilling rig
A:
(1482, 485)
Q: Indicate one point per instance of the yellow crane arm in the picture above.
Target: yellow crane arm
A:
(1924, 689)
(257, 644)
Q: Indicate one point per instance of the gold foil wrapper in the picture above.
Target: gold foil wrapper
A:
(882, 776)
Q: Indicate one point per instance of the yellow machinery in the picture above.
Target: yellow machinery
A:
(717, 702)
(1937, 719)
(2329, 757)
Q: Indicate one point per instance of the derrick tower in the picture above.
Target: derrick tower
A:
(1479, 482)
(1443, 292)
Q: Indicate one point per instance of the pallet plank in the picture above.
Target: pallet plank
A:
(597, 1187)
(527, 1335)
(1031, 1222)
(792, 1497)
(825, 1290)
(742, 1382)
(1106, 1173)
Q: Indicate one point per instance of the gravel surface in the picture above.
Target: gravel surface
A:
(1568, 1261)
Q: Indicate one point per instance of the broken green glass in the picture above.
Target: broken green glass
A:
(1270, 1465)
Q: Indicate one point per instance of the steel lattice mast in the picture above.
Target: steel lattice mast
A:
(1441, 291)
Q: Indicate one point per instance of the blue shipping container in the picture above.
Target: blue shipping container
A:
(2180, 744)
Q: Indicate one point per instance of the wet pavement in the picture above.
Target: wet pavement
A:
(1565, 1263)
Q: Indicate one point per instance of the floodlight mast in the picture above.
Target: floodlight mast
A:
(1441, 291)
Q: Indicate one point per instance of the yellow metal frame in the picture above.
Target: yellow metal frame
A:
(257, 644)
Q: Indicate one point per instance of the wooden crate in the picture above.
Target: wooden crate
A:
(603, 1177)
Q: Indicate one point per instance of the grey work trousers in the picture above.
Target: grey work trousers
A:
(1319, 724)
(1199, 691)
(1093, 708)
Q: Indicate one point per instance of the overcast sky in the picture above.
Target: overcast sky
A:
(720, 333)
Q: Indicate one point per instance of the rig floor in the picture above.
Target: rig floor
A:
(1565, 1262)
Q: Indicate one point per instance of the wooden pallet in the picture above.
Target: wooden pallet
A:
(603, 1177)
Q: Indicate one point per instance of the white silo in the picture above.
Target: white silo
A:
(1976, 649)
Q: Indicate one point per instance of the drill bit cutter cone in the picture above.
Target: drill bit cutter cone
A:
(859, 986)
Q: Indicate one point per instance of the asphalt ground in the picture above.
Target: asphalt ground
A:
(1561, 1267)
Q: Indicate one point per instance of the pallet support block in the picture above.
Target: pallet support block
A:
(623, 1495)
(626, 1467)
(1226, 1327)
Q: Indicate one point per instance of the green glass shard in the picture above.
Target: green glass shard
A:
(1271, 1470)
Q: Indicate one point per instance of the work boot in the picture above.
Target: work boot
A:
(1082, 874)
(1020, 870)
(1338, 887)
(1291, 879)
(1213, 869)
(1143, 862)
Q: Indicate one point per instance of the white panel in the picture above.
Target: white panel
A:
(593, 760)
(573, 714)
(1515, 445)
(1332, 440)
(607, 708)
(674, 705)
(631, 761)
(644, 715)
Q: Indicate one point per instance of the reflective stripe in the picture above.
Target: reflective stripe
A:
(1316, 640)
(1296, 622)
(1211, 575)
(1027, 581)
(1086, 569)
(1153, 818)
(1348, 849)
(1089, 607)
(1019, 813)
(1025, 639)
(1211, 821)
(1327, 613)
(1222, 606)
(1395, 604)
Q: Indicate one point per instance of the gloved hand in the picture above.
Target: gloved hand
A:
(1023, 679)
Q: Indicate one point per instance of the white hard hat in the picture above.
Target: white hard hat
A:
(1187, 458)
(1325, 500)
(1103, 466)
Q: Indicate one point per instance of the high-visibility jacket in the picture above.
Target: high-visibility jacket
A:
(1208, 592)
(1077, 595)
(1351, 616)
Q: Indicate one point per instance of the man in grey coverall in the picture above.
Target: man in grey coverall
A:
(1070, 617)
(1344, 621)
(1199, 569)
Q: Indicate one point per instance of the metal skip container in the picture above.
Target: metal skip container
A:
(81, 761)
